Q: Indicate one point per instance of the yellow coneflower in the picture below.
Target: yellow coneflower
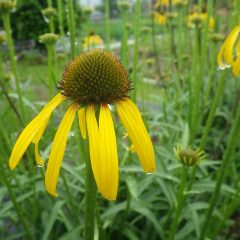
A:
(229, 54)
(91, 82)
(196, 19)
(92, 40)
(159, 18)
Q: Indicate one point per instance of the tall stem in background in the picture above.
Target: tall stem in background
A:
(107, 19)
(136, 38)
(124, 47)
(51, 18)
(71, 26)
(50, 52)
(7, 27)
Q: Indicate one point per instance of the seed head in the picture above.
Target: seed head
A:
(49, 12)
(94, 77)
(87, 11)
(217, 37)
(146, 30)
(6, 6)
(124, 5)
(48, 38)
(188, 156)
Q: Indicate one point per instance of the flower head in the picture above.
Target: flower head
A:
(197, 19)
(229, 54)
(92, 40)
(124, 5)
(188, 156)
(6, 6)
(159, 18)
(49, 12)
(48, 38)
(91, 82)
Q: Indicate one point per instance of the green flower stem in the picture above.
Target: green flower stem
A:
(180, 202)
(88, 24)
(60, 17)
(51, 19)
(90, 200)
(71, 26)
(60, 22)
(215, 103)
(231, 146)
(107, 19)
(136, 39)
(50, 51)
(196, 82)
(7, 27)
(124, 47)
(155, 48)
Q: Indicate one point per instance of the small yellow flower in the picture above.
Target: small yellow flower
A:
(92, 40)
(196, 19)
(159, 18)
(91, 82)
(229, 54)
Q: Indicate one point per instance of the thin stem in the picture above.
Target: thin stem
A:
(107, 19)
(71, 26)
(216, 100)
(50, 51)
(180, 203)
(124, 47)
(7, 27)
(90, 201)
(136, 39)
(51, 19)
(232, 143)
(60, 17)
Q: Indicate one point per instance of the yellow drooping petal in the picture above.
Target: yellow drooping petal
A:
(132, 121)
(31, 130)
(226, 53)
(236, 67)
(93, 136)
(36, 140)
(108, 169)
(58, 149)
(82, 122)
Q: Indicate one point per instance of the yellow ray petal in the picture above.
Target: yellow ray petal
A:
(82, 122)
(230, 42)
(93, 136)
(36, 140)
(58, 149)
(225, 55)
(236, 67)
(108, 169)
(132, 121)
(31, 129)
